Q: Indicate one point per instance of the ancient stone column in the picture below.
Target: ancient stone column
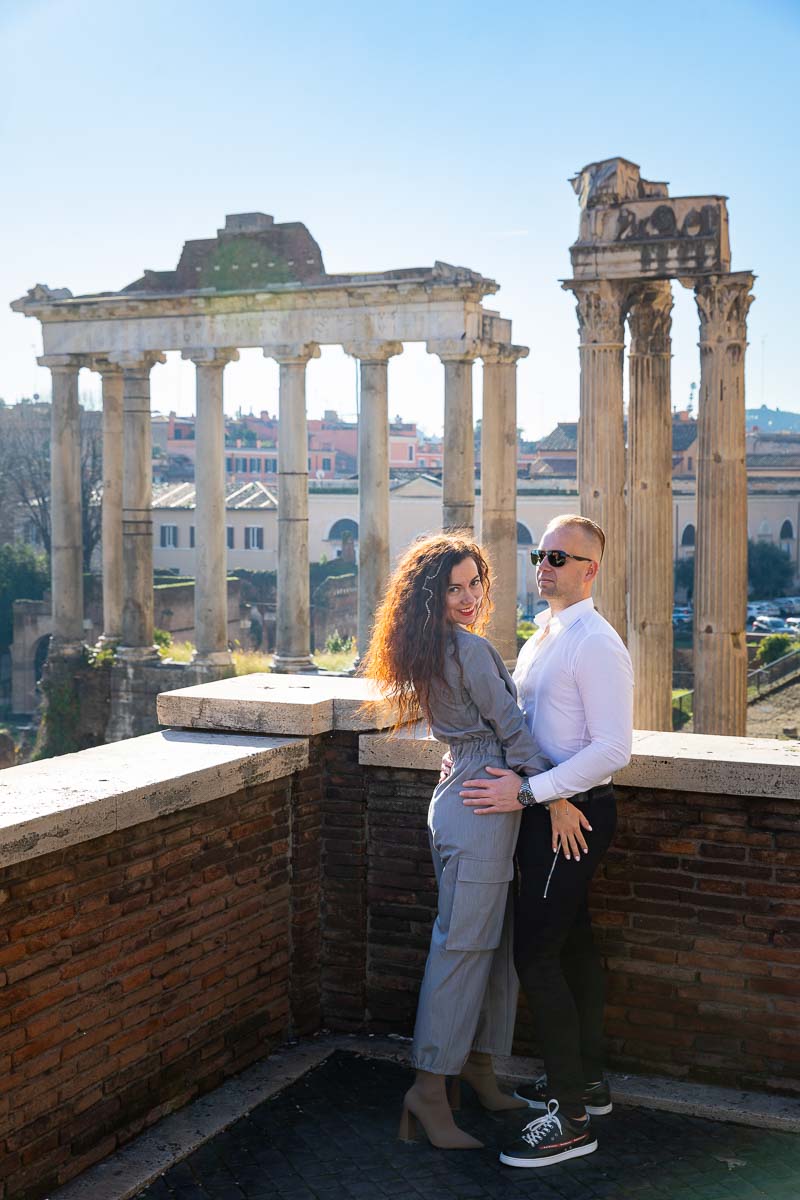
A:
(650, 569)
(111, 375)
(137, 501)
(499, 488)
(66, 525)
(458, 451)
(373, 480)
(293, 633)
(601, 441)
(720, 592)
(211, 575)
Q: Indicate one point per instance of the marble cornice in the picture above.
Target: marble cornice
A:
(288, 297)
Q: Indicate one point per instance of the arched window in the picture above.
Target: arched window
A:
(687, 538)
(787, 532)
(342, 529)
(764, 531)
(523, 535)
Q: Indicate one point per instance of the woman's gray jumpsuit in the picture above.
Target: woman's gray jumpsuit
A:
(468, 997)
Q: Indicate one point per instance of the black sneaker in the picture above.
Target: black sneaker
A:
(550, 1139)
(596, 1096)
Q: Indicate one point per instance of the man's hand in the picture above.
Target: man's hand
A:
(446, 767)
(566, 821)
(499, 795)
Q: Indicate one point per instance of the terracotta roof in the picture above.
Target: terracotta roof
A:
(563, 437)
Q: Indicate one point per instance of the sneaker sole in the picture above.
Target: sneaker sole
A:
(594, 1110)
(509, 1161)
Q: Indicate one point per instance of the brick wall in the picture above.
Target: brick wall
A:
(140, 969)
(697, 908)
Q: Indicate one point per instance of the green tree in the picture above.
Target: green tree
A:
(684, 575)
(772, 647)
(23, 576)
(769, 570)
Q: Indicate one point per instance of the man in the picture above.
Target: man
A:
(575, 685)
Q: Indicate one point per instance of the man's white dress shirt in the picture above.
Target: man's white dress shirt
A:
(575, 684)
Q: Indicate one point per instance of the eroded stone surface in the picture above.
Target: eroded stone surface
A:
(45, 806)
(274, 704)
(672, 761)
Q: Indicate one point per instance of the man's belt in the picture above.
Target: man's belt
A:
(603, 791)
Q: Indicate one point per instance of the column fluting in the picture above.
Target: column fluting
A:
(601, 312)
(499, 488)
(650, 568)
(720, 593)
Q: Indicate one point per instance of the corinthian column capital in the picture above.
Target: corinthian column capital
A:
(723, 302)
(295, 355)
(502, 353)
(650, 318)
(372, 352)
(455, 349)
(601, 308)
(210, 356)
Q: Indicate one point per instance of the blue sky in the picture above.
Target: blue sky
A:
(399, 136)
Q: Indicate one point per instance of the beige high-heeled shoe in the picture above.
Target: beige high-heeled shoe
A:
(425, 1104)
(478, 1072)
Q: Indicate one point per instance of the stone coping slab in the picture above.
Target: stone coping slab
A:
(45, 806)
(682, 762)
(301, 705)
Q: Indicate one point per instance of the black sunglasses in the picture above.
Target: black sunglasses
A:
(556, 558)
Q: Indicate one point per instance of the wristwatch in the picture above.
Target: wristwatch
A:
(525, 795)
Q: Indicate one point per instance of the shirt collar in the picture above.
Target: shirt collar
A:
(566, 617)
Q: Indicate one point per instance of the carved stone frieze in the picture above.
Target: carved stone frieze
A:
(650, 318)
(723, 302)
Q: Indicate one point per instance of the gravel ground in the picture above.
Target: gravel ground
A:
(770, 716)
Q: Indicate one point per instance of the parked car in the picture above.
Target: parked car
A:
(793, 623)
(771, 625)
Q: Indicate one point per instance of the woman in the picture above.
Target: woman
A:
(427, 657)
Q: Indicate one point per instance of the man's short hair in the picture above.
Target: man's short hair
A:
(591, 528)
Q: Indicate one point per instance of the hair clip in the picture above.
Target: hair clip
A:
(429, 591)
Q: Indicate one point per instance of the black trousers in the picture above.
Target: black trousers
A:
(554, 950)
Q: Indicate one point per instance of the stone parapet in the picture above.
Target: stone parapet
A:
(299, 705)
(681, 762)
(60, 802)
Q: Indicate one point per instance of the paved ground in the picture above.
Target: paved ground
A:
(332, 1136)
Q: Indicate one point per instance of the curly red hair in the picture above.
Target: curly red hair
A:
(411, 631)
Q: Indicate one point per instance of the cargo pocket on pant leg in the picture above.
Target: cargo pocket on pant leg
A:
(479, 903)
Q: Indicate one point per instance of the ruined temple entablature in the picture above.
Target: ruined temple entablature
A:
(630, 227)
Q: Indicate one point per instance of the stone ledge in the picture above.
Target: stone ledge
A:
(46, 806)
(301, 705)
(680, 762)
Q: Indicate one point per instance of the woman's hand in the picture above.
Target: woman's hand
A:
(446, 767)
(566, 821)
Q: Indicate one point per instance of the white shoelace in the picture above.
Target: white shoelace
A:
(537, 1130)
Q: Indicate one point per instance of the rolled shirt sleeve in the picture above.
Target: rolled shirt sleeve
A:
(496, 700)
(604, 678)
